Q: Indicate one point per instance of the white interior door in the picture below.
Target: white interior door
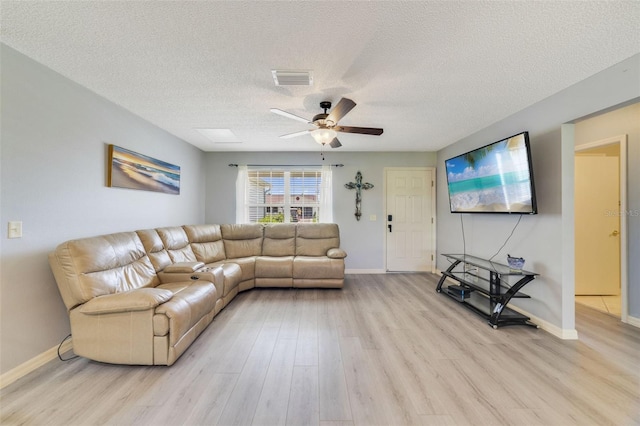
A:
(410, 219)
(597, 225)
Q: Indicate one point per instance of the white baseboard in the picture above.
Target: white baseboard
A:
(365, 271)
(633, 321)
(561, 333)
(33, 364)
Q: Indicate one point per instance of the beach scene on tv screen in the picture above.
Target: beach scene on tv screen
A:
(491, 179)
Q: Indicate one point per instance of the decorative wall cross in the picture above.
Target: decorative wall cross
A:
(358, 186)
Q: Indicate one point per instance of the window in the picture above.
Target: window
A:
(279, 195)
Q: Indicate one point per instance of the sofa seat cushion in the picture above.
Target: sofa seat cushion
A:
(187, 306)
(274, 267)
(312, 267)
(247, 266)
(274, 271)
(175, 287)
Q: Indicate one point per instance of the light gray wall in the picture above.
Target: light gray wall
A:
(544, 240)
(53, 168)
(363, 240)
(533, 239)
(625, 120)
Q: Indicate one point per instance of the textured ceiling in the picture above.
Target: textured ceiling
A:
(428, 72)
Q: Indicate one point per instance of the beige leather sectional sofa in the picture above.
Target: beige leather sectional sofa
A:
(143, 297)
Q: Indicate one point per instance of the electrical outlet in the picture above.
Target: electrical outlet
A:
(15, 229)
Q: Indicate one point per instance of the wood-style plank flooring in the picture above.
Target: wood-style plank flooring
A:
(385, 350)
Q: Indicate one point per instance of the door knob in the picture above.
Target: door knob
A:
(615, 233)
(389, 226)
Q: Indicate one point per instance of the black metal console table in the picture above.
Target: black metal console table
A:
(489, 295)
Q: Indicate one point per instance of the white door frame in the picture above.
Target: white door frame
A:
(433, 206)
(624, 279)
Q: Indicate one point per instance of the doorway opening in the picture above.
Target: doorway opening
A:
(600, 225)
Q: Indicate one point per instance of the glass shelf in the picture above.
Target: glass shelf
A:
(488, 296)
(492, 266)
(482, 284)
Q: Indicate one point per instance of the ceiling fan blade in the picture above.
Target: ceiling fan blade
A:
(293, 135)
(344, 106)
(335, 143)
(289, 115)
(362, 130)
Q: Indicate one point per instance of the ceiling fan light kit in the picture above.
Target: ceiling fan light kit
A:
(327, 124)
(323, 136)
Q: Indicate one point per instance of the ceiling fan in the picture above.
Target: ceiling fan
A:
(327, 124)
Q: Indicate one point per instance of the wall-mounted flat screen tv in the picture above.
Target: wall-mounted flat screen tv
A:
(497, 178)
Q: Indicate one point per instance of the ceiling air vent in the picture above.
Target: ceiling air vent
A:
(292, 78)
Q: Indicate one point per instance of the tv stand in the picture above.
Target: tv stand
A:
(487, 296)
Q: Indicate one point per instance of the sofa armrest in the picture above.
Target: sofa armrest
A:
(140, 299)
(214, 274)
(184, 267)
(336, 253)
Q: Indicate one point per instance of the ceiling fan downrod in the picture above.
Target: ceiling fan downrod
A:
(325, 105)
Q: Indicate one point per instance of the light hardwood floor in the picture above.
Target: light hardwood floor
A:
(385, 350)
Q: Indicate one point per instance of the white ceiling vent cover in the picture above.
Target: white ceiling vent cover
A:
(292, 78)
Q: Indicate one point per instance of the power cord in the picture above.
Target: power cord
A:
(508, 238)
(60, 346)
(464, 243)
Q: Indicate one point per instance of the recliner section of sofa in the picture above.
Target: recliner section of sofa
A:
(143, 297)
(120, 311)
(319, 260)
(274, 267)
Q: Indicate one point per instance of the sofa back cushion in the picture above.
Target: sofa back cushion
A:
(206, 242)
(97, 266)
(242, 240)
(152, 243)
(315, 239)
(279, 240)
(176, 243)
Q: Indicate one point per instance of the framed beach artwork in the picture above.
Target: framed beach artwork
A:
(128, 169)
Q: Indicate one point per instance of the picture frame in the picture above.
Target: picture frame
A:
(132, 170)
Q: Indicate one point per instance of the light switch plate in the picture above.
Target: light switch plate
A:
(15, 229)
(372, 217)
